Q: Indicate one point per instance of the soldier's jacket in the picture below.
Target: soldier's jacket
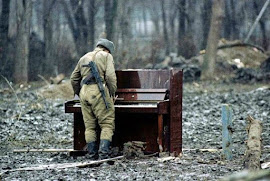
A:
(105, 65)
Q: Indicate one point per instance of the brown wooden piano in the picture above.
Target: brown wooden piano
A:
(148, 108)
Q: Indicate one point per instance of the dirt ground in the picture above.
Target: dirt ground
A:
(33, 121)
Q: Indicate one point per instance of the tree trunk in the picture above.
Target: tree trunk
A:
(80, 20)
(173, 12)
(181, 23)
(91, 27)
(4, 25)
(227, 21)
(155, 20)
(262, 26)
(235, 31)
(77, 24)
(110, 8)
(48, 37)
(124, 16)
(165, 33)
(207, 6)
(24, 12)
(208, 68)
(144, 18)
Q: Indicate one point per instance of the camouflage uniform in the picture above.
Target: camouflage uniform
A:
(92, 103)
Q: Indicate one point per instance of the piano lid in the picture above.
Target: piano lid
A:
(143, 79)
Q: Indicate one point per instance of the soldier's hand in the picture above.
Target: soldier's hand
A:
(114, 98)
(76, 97)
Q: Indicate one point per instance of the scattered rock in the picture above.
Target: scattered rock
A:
(265, 66)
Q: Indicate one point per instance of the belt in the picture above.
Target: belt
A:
(90, 81)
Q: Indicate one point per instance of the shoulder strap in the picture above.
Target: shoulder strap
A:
(94, 57)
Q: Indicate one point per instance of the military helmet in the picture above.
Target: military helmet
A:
(107, 44)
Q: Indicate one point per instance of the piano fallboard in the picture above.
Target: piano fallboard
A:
(140, 95)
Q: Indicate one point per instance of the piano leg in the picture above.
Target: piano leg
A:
(160, 132)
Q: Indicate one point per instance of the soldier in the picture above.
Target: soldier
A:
(93, 105)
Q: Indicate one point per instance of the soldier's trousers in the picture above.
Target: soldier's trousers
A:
(95, 113)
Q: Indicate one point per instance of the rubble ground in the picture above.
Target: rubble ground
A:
(34, 121)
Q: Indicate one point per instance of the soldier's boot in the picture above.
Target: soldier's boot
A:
(92, 150)
(104, 149)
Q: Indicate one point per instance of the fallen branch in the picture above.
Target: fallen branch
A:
(211, 150)
(247, 175)
(47, 82)
(42, 150)
(237, 44)
(240, 44)
(164, 159)
(62, 165)
(253, 153)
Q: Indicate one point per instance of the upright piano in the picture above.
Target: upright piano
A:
(148, 108)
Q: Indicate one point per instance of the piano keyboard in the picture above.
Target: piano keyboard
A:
(127, 105)
(135, 105)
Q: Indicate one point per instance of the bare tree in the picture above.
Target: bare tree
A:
(235, 31)
(24, 12)
(110, 8)
(230, 30)
(172, 16)
(181, 23)
(165, 32)
(227, 21)
(262, 26)
(4, 25)
(206, 14)
(74, 13)
(155, 17)
(91, 27)
(144, 9)
(208, 68)
(50, 63)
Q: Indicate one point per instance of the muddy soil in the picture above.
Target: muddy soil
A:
(34, 122)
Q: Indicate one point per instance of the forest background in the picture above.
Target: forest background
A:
(43, 38)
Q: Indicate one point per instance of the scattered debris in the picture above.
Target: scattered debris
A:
(134, 149)
(265, 66)
(58, 79)
(164, 159)
(44, 125)
(236, 61)
(265, 165)
(60, 91)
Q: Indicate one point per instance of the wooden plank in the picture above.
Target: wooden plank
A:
(62, 165)
(175, 124)
(160, 132)
(226, 116)
(78, 132)
(42, 150)
(254, 144)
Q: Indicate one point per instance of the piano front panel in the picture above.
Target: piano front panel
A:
(136, 127)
